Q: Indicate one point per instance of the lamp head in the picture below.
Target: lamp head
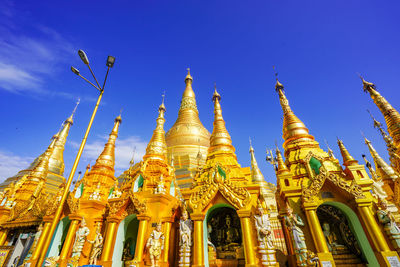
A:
(110, 61)
(83, 56)
(75, 70)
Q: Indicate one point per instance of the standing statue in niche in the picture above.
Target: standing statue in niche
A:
(155, 244)
(386, 218)
(97, 245)
(293, 223)
(80, 238)
(264, 235)
(185, 239)
(160, 189)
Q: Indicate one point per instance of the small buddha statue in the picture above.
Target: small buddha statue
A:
(96, 193)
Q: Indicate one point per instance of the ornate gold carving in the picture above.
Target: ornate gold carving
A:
(237, 196)
(309, 194)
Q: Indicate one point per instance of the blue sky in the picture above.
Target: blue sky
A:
(317, 46)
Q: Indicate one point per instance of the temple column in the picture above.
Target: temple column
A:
(68, 243)
(109, 241)
(42, 239)
(318, 236)
(3, 236)
(382, 250)
(198, 240)
(248, 238)
(167, 232)
(141, 237)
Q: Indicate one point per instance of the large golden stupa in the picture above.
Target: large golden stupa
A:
(187, 140)
(190, 203)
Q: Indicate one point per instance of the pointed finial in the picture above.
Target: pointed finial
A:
(216, 95)
(330, 152)
(377, 124)
(119, 118)
(162, 106)
(71, 118)
(251, 147)
(188, 76)
(367, 85)
(278, 85)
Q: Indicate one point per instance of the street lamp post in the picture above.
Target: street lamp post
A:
(109, 64)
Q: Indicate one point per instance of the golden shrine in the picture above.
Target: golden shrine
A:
(190, 203)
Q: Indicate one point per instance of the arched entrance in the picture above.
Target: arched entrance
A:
(125, 243)
(345, 236)
(223, 244)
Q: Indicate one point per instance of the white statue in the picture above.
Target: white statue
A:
(185, 239)
(160, 189)
(96, 193)
(80, 238)
(155, 244)
(266, 247)
(97, 246)
(263, 227)
(116, 193)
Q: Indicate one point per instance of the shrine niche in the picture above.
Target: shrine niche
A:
(340, 238)
(225, 245)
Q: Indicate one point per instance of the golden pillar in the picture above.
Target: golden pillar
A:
(167, 231)
(318, 236)
(248, 238)
(382, 250)
(68, 243)
(198, 245)
(3, 236)
(141, 237)
(109, 241)
(39, 246)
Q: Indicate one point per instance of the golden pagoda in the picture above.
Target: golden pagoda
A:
(327, 211)
(187, 140)
(190, 203)
(56, 162)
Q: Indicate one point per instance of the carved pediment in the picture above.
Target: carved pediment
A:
(216, 182)
(309, 194)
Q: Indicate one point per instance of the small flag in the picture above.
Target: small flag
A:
(111, 191)
(221, 172)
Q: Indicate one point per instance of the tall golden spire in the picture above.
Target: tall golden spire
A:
(293, 127)
(281, 168)
(392, 116)
(187, 131)
(56, 164)
(256, 175)
(157, 147)
(348, 160)
(107, 157)
(220, 139)
(102, 173)
(392, 149)
(381, 165)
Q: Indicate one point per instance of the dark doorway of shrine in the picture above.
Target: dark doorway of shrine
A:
(224, 238)
(344, 235)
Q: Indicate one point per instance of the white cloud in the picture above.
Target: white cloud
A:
(30, 53)
(123, 151)
(11, 164)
